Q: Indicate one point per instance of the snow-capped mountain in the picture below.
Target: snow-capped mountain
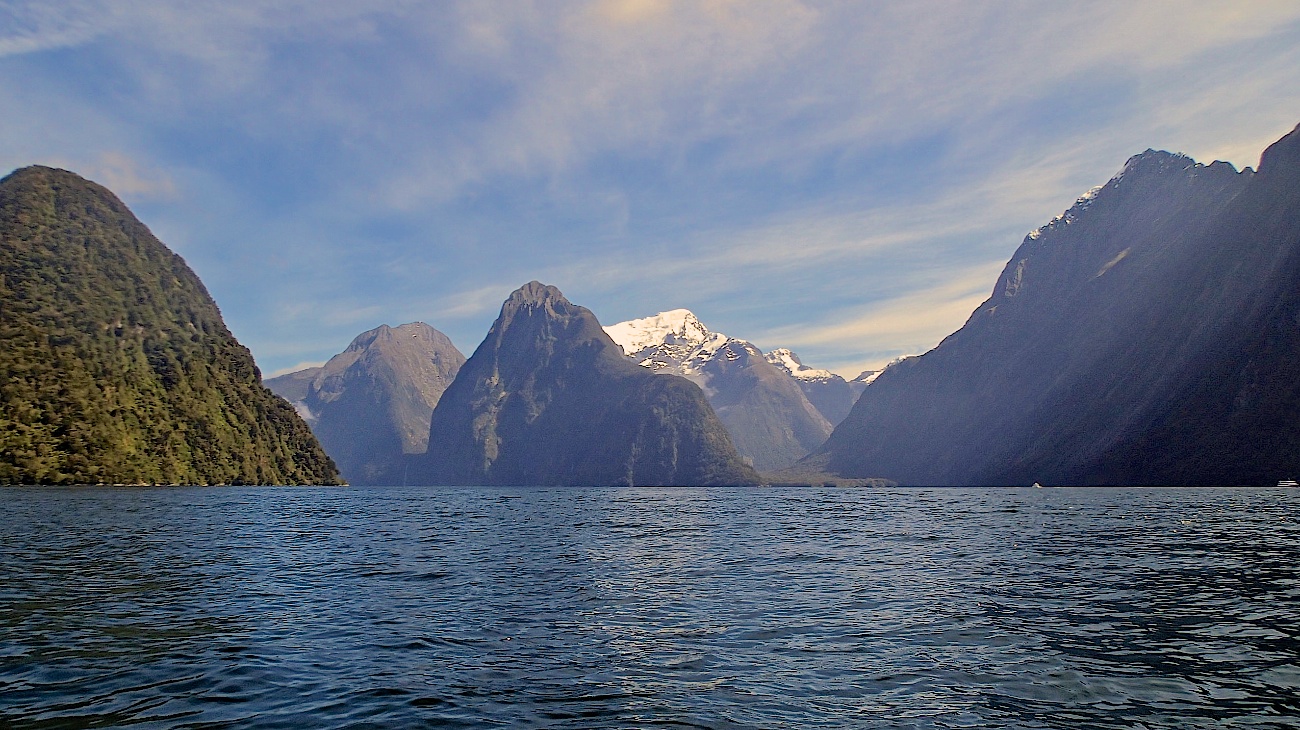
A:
(788, 361)
(765, 409)
(828, 392)
(547, 398)
(676, 327)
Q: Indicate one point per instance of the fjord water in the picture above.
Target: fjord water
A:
(715, 608)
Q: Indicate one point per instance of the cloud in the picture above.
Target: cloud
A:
(127, 177)
(33, 27)
(782, 83)
(479, 302)
(783, 164)
(910, 323)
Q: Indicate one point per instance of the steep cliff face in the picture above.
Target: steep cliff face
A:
(370, 405)
(117, 366)
(549, 399)
(1232, 416)
(1110, 329)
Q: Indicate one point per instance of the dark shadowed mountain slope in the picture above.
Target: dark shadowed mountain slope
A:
(768, 415)
(371, 404)
(770, 419)
(549, 399)
(1147, 336)
(116, 366)
(1234, 414)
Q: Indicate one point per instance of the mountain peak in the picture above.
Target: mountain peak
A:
(674, 327)
(1282, 155)
(788, 361)
(152, 388)
(371, 403)
(534, 293)
(548, 399)
(410, 330)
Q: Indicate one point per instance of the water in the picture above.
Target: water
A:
(715, 608)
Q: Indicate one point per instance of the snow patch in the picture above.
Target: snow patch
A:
(789, 362)
(1082, 203)
(675, 327)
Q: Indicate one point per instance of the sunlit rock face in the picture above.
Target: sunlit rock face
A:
(370, 405)
(1149, 335)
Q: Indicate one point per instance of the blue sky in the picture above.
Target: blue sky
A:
(844, 179)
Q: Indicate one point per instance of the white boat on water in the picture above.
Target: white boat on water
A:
(1288, 483)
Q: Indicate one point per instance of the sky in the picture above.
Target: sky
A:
(845, 179)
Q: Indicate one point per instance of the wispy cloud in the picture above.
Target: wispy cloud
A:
(33, 27)
(786, 165)
(906, 324)
(125, 176)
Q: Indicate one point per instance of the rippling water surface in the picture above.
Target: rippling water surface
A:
(714, 608)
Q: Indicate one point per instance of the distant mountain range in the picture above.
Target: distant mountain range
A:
(766, 402)
(1148, 335)
(549, 399)
(116, 366)
(370, 405)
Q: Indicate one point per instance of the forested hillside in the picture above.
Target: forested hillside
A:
(115, 365)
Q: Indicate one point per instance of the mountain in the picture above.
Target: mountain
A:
(830, 394)
(293, 387)
(117, 366)
(860, 383)
(770, 419)
(1149, 335)
(549, 399)
(371, 404)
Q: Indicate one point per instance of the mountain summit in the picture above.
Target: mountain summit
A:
(370, 405)
(117, 366)
(549, 399)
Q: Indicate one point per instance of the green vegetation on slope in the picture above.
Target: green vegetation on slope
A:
(115, 365)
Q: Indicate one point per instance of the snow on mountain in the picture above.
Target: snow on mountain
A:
(771, 420)
(789, 362)
(679, 341)
(866, 377)
(676, 341)
(676, 327)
